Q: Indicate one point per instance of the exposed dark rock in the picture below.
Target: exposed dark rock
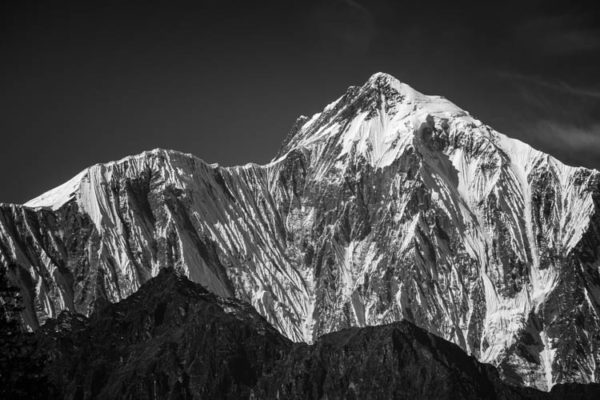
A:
(387, 205)
(175, 340)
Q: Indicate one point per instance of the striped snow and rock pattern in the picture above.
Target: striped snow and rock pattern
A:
(387, 205)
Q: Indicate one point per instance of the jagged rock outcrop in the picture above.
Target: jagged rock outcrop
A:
(388, 205)
(174, 339)
(171, 339)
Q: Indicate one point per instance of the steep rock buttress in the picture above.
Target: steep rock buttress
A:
(387, 205)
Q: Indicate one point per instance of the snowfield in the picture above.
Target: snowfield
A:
(387, 205)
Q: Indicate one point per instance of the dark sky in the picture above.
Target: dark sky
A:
(85, 82)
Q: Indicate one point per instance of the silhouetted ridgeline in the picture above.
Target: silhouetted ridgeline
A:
(175, 340)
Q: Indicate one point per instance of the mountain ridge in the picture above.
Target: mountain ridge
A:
(387, 205)
(175, 339)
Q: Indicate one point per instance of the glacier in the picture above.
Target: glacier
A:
(387, 205)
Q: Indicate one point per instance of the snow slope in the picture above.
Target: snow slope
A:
(387, 205)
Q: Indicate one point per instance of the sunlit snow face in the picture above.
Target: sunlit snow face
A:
(387, 205)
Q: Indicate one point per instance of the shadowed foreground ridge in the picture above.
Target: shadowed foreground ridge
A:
(175, 340)
(171, 339)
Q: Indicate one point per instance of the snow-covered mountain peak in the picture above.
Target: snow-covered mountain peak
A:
(389, 204)
(390, 87)
(60, 195)
(386, 84)
(382, 77)
(78, 188)
(377, 121)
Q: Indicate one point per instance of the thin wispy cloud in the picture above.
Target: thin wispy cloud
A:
(555, 85)
(560, 35)
(574, 137)
(571, 143)
(557, 117)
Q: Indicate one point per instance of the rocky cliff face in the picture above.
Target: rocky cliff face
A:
(174, 339)
(387, 205)
(171, 339)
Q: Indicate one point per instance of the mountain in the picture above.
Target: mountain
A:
(174, 339)
(171, 339)
(389, 205)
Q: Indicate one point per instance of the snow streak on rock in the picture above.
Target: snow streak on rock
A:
(388, 205)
